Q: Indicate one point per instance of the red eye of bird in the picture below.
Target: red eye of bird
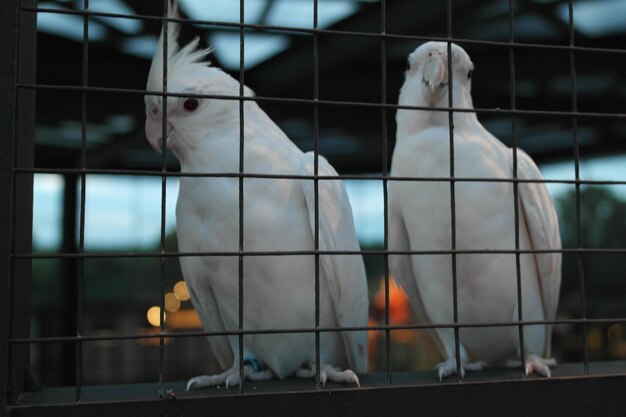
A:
(191, 104)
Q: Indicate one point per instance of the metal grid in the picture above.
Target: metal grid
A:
(15, 170)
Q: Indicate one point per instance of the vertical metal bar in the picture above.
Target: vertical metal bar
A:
(22, 202)
(83, 191)
(516, 186)
(316, 151)
(241, 183)
(8, 74)
(383, 115)
(455, 307)
(69, 272)
(162, 260)
(579, 235)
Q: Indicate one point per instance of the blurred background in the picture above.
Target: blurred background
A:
(123, 212)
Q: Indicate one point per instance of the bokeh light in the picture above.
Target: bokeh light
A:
(594, 339)
(615, 333)
(154, 316)
(172, 302)
(180, 289)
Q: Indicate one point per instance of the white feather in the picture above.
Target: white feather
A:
(420, 220)
(278, 291)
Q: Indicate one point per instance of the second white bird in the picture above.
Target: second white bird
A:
(420, 220)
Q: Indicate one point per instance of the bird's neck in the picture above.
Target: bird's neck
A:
(211, 144)
(212, 149)
(217, 149)
(410, 122)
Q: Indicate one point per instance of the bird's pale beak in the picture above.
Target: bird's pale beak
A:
(154, 132)
(435, 74)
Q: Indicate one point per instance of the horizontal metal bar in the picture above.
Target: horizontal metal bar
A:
(174, 254)
(486, 393)
(291, 100)
(159, 173)
(313, 31)
(382, 327)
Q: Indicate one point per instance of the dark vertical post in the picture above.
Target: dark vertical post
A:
(8, 52)
(22, 200)
(69, 272)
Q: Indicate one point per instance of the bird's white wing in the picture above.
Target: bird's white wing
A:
(543, 228)
(208, 310)
(401, 267)
(344, 274)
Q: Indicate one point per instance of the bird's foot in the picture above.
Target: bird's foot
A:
(333, 374)
(229, 378)
(447, 368)
(330, 373)
(535, 365)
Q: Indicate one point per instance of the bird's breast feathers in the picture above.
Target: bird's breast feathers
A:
(427, 154)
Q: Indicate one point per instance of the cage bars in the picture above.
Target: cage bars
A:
(309, 177)
(21, 199)
(58, 339)
(9, 19)
(309, 31)
(579, 257)
(82, 208)
(385, 175)
(316, 194)
(338, 103)
(516, 201)
(453, 255)
(241, 191)
(164, 133)
(171, 254)
(83, 171)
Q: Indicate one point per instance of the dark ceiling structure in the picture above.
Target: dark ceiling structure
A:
(358, 69)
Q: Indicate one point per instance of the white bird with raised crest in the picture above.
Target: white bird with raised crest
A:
(278, 216)
(420, 214)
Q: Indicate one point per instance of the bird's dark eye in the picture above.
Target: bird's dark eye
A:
(469, 74)
(408, 65)
(191, 104)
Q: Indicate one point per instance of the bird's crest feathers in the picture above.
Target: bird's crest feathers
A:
(179, 61)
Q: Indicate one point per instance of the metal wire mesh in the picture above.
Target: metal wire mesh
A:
(85, 89)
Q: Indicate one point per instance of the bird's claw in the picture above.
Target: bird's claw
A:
(539, 366)
(342, 377)
(323, 378)
(534, 365)
(475, 366)
(351, 377)
(329, 373)
(447, 368)
(230, 378)
(203, 381)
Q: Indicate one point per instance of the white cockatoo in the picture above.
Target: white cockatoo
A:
(278, 216)
(420, 220)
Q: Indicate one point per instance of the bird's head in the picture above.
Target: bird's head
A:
(189, 120)
(427, 76)
(427, 79)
